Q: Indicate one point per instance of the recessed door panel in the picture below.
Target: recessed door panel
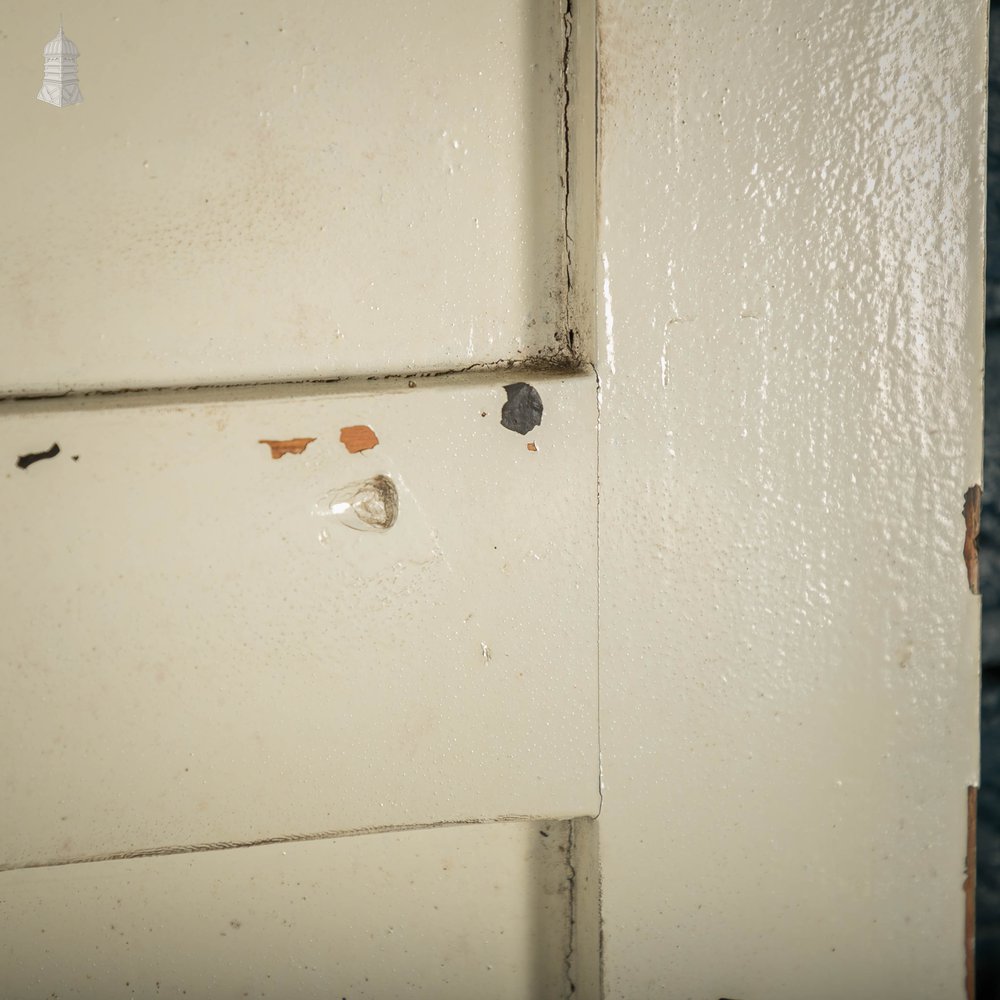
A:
(263, 192)
(246, 618)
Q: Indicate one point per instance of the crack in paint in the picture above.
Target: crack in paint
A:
(294, 838)
(539, 365)
(567, 238)
(568, 957)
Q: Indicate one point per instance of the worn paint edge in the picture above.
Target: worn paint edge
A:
(584, 960)
(293, 838)
(972, 512)
(969, 887)
(569, 958)
(579, 176)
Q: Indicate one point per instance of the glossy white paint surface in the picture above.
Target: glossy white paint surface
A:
(790, 260)
(446, 914)
(788, 303)
(194, 653)
(315, 189)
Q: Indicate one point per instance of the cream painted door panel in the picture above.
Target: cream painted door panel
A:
(196, 649)
(448, 914)
(316, 189)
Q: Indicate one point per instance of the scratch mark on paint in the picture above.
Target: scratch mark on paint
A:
(291, 446)
(359, 438)
(37, 456)
(972, 509)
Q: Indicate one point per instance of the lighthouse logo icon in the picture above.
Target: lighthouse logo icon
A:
(60, 86)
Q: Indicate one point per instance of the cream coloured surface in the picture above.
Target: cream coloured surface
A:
(790, 257)
(312, 194)
(196, 651)
(788, 302)
(450, 913)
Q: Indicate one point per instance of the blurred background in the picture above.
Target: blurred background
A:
(988, 862)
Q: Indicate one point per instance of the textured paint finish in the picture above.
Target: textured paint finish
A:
(790, 266)
(196, 648)
(315, 189)
(480, 911)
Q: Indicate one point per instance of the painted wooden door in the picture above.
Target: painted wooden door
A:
(484, 498)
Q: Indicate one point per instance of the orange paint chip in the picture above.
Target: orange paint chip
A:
(532, 446)
(359, 438)
(293, 446)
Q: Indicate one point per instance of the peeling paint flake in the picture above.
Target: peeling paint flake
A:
(291, 446)
(972, 509)
(358, 438)
(37, 456)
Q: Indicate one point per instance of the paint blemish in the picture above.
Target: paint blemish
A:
(359, 438)
(532, 446)
(370, 505)
(291, 446)
(37, 456)
(969, 887)
(972, 509)
(523, 410)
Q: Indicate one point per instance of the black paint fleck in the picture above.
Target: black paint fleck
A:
(38, 456)
(523, 410)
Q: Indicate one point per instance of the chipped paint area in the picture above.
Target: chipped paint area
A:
(289, 446)
(969, 888)
(972, 512)
(523, 410)
(358, 438)
(26, 461)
